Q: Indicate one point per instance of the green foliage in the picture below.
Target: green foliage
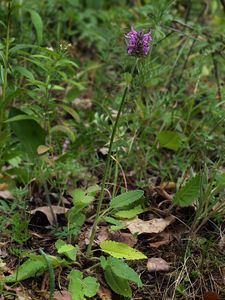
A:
(126, 199)
(32, 267)
(117, 284)
(38, 24)
(20, 233)
(80, 287)
(121, 250)
(121, 269)
(170, 139)
(130, 213)
(66, 249)
(186, 195)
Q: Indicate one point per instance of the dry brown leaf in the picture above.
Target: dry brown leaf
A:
(57, 210)
(6, 195)
(124, 237)
(164, 239)
(104, 293)
(155, 264)
(21, 295)
(152, 226)
(62, 295)
(211, 296)
(3, 186)
(42, 149)
(104, 150)
(168, 185)
(102, 234)
(222, 243)
(82, 103)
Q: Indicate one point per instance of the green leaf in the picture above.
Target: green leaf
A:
(117, 284)
(121, 269)
(130, 213)
(64, 129)
(126, 198)
(32, 267)
(25, 72)
(80, 287)
(117, 224)
(121, 250)
(75, 285)
(38, 25)
(20, 118)
(90, 286)
(170, 139)
(67, 249)
(188, 193)
(70, 111)
(28, 131)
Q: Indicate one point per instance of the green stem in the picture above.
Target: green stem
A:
(5, 75)
(106, 170)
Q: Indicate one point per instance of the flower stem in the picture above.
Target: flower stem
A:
(5, 74)
(106, 170)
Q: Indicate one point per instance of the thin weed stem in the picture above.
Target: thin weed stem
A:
(107, 167)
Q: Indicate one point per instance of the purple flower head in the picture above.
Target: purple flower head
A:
(138, 42)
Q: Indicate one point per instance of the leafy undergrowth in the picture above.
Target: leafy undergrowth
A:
(160, 229)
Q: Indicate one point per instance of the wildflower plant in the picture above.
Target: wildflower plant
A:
(138, 44)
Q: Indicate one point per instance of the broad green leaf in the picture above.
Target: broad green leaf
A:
(80, 287)
(126, 198)
(81, 198)
(64, 129)
(75, 285)
(130, 213)
(121, 269)
(117, 224)
(32, 267)
(117, 284)
(121, 250)
(38, 25)
(170, 139)
(188, 193)
(76, 220)
(67, 249)
(28, 131)
(90, 286)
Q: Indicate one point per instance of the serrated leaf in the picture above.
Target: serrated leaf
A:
(188, 193)
(121, 250)
(117, 284)
(170, 139)
(121, 269)
(67, 249)
(126, 198)
(90, 286)
(130, 213)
